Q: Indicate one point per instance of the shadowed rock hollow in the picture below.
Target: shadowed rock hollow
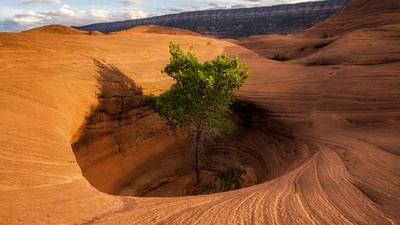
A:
(319, 132)
(123, 144)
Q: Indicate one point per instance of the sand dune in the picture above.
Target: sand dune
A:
(319, 132)
(55, 29)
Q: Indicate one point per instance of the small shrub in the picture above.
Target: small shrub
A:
(225, 180)
(230, 179)
(280, 57)
(209, 42)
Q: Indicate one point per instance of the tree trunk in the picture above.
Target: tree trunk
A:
(198, 140)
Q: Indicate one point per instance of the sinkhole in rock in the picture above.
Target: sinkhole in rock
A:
(124, 148)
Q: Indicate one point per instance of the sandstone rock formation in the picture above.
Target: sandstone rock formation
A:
(319, 132)
(237, 23)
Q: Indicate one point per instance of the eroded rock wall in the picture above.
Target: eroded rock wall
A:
(237, 23)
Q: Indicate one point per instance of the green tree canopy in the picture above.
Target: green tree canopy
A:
(201, 95)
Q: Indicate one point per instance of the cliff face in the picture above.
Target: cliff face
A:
(237, 23)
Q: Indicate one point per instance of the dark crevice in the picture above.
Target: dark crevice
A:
(368, 193)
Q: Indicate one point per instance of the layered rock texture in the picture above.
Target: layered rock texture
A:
(319, 133)
(237, 23)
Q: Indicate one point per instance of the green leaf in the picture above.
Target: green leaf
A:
(202, 93)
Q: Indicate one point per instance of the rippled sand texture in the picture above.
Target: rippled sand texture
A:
(320, 132)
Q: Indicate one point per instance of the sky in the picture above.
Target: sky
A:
(19, 15)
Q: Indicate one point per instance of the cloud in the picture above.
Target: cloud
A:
(7, 12)
(68, 15)
(131, 2)
(40, 1)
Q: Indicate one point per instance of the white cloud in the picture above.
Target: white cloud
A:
(65, 10)
(40, 1)
(68, 15)
(7, 12)
(28, 19)
(131, 2)
(137, 14)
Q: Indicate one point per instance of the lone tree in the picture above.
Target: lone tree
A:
(201, 95)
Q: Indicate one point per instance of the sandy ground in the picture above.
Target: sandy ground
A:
(320, 132)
